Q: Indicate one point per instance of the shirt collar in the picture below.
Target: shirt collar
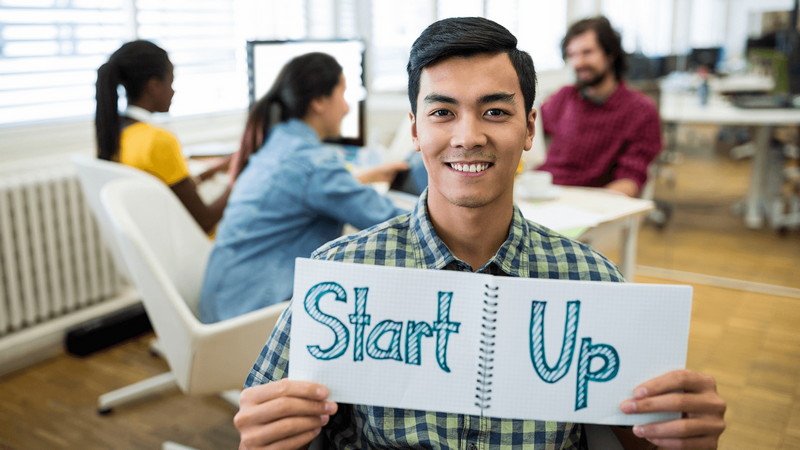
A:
(620, 90)
(511, 258)
(138, 113)
(298, 127)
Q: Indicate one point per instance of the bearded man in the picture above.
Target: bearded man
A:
(601, 133)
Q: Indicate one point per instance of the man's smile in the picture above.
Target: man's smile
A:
(470, 167)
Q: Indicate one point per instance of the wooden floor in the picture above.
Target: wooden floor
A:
(52, 405)
(750, 342)
(706, 236)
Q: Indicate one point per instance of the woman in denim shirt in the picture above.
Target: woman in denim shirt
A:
(292, 195)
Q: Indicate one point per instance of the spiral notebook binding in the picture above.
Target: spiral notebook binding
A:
(483, 389)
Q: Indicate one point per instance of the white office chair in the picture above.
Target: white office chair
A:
(166, 252)
(93, 174)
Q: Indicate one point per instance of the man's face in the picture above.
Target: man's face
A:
(471, 128)
(591, 63)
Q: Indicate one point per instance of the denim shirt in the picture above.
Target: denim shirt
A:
(294, 196)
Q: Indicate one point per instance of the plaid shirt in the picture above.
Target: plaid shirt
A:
(593, 145)
(410, 241)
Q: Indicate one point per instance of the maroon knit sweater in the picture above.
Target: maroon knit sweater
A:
(593, 145)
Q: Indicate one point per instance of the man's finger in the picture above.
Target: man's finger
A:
(296, 441)
(282, 407)
(684, 428)
(699, 443)
(282, 432)
(283, 388)
(676, 402)
(678, 380)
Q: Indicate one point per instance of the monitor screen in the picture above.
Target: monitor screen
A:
(708, 57)
(266, 58)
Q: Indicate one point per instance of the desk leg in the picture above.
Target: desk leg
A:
(754, 217)
(630, 234)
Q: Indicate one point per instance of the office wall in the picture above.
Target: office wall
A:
(29, 145)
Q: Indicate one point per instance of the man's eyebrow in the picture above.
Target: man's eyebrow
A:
(439, 98)
(502, 97)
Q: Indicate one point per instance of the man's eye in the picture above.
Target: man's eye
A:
(441, 112)
(495, 112)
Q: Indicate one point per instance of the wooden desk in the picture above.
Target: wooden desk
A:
(686, 109)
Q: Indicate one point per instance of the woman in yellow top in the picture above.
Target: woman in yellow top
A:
(146, 73)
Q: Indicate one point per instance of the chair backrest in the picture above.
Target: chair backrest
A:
(93, 174)
(167, 252)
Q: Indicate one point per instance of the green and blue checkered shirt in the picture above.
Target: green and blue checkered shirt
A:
(530, 251)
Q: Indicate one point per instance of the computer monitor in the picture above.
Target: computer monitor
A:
(641, 67)
(266, 58)
(707, 57)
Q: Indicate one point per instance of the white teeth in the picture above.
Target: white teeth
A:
(469, 167)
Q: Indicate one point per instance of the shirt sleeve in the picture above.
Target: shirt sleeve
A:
(335, 192)
(167, 162)
(643, 146)
(272, 363)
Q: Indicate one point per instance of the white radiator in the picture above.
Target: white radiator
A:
(53, 261)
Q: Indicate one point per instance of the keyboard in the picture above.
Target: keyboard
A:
(762, 101)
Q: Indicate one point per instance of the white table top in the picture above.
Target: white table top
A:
(747, 82)
(583, 207)
(686, 108)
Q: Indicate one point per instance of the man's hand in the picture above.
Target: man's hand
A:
(625, 186)
(692, 394)
(286, 414)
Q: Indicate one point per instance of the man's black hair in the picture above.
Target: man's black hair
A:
(468, 36)
(609, 40)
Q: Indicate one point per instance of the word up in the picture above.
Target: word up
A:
(588, 351)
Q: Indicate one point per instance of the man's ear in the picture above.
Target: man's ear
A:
(530, 131)
(414, 137)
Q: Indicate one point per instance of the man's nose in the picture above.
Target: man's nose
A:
(468, 133)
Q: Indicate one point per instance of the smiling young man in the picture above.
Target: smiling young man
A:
(471, 92)
(602, 134)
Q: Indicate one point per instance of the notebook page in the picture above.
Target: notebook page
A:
(646, 327)
(389, 375)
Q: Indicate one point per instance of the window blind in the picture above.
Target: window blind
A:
(206, 49)
(50, 51)
(49, 54)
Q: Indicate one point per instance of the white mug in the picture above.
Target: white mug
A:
(535, 181)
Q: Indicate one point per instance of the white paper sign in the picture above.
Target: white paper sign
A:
(477, 344)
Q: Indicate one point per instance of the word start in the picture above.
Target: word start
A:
(414, 331)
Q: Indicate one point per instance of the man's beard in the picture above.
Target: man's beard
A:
(592, 82)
